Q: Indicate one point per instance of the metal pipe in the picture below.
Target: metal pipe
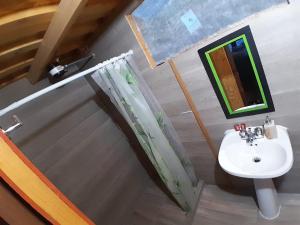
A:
(33, 96)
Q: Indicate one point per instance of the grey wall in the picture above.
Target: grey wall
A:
(276, 33)
(118, 39)
(71, 139)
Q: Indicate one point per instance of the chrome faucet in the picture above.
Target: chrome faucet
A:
(250, 135)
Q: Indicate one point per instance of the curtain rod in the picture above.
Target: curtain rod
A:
(35, 95)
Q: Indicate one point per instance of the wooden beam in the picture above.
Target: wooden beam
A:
(61, 23)
(139, 37)
(25, 23)
(19, 49)
(10, 7)
(11, 69)
(193, 107)
(22, 176)
(24, 16)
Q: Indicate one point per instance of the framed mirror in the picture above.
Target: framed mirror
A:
(236, 73)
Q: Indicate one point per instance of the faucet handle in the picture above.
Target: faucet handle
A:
(243, 126)
(243, 134)
(237, 127)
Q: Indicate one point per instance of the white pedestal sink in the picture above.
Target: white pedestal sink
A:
(264, 160)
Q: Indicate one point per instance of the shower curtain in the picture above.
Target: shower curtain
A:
(132, 97)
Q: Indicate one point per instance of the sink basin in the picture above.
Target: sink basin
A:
(264, 159)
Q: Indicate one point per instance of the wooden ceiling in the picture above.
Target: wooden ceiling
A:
(35, 32)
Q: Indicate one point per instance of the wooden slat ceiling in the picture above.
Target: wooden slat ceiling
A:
(24, 23)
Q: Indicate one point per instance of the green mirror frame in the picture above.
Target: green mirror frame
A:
(245, 34)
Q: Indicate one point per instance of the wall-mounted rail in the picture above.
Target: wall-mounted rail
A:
(33, 96)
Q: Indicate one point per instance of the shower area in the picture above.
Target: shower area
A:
(101, 132)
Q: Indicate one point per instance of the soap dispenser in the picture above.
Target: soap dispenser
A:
(270, 129)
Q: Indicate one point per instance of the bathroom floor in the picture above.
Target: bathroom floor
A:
(220, 207)
(216, 207)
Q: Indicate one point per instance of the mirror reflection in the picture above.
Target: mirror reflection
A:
(235, 72)
(234, 68)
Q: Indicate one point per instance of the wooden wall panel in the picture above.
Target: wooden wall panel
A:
(70, 138)
(276, 35)
(164, 86)
(280, 62)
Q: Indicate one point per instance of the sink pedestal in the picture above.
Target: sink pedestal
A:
(266, 194)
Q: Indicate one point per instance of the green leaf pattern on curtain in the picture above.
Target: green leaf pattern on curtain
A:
(121, 84)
